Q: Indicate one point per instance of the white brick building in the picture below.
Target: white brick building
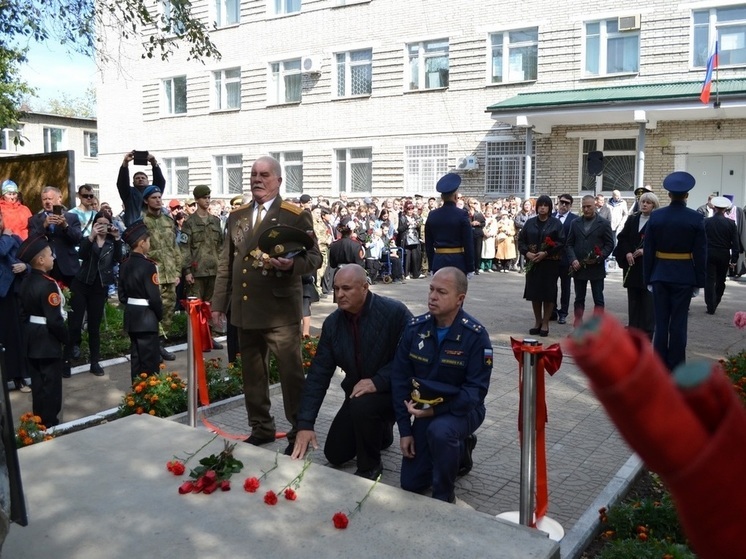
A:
(382, 97)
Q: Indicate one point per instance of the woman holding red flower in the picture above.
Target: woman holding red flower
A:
(541, 242)
(628, 254)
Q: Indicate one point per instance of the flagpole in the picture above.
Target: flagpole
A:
(716, 105)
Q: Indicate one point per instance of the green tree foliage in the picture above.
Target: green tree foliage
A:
(67, 105)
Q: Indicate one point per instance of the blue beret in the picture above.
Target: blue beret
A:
(150, 190)
(448, 183)
(679, 181)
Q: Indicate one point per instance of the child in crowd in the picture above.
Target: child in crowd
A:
(141, 296)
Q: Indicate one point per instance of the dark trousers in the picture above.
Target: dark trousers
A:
(362, 427)
(90, 299)
(413, 264)
(46, 389)
(640, 309)
(10, 337)
(717, 269)
(581, 288)
(671, 307)
(564, 283)
(478, 242)
(145, 353)
(438, 447)
(231, 339)
(284, 343)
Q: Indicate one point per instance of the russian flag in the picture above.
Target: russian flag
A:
(712, 63)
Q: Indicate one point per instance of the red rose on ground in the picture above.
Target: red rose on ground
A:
(210, 476)
(340, 520)
(210, 487)
(251, 484)
(270, 498)
(176, 467)
(186, 487)
(225, 485)
(290, 494)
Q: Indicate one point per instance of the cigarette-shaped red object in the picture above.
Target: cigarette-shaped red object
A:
(692, 433)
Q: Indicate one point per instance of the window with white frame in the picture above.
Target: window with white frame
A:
(354, 72)
(292, 170)
(54, 139)
(514, 55)
(727, 25)
(228, 174)
(354, 169)
(505, 168)
(227, 12)
(227, 89)
(176, 173)
(428, 65)
(286, 82)
(423, 166)
(175, 95)
(282, 7)
(169, 12)
(620, 159)
(10, 138)
(90, 143)
(610, 51)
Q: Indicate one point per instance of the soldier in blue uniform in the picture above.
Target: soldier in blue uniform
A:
(439, 378)
(448, 232)
(674, 264)
(44, 330)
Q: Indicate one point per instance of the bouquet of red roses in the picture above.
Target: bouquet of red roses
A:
(591, 258)
(545, 246)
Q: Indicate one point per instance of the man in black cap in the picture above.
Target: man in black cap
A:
(448, 232)
(722, 251)
(675, 262)
(43, 325)
(131, 196)
(639, 191)
(141, 297)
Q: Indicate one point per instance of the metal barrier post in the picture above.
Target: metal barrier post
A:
(528, 434)
(191, 373)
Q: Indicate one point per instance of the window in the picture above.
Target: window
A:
(428, 65)
(227, 89)
(505, 166)
(354, 169)
(423, 166)
(620, 157)
(54, 139)
(227, 12)
(354, 73)
(175, 95)
(229, 174)
(90, 144)
(10, 138)
(282, 7)
(170, 13)
(285, 82)
(176, 173)
(292, 170)
(728, 27)
(610, 51)
(513, 55)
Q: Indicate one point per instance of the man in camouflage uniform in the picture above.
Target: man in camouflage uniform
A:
(201, 244)
(166, 254)
(324, 237)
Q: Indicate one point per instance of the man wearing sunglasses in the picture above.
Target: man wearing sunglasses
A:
(85, 209)
(563, 213)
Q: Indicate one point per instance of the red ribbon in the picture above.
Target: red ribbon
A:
(549, 360)
(200, 316)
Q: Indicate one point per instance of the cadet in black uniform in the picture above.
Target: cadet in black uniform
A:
(139, 292)
(722, 251)
(448, 233)
(43, 328)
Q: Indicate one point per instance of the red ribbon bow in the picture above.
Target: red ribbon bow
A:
(200, 315)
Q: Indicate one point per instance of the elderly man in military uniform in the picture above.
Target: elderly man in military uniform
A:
(165, 252)
(675, 264)
(265, 295)
(439, 380)
(448, 232)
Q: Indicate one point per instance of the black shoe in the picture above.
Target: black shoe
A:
(543, 333)
(562, 319)
(96, 369)
(289, 449)
(167, 355)
(216, 345)
(466, 460)
(534, 331)
(66, 373)
(75, 352)
(371, 474)
(258, 441)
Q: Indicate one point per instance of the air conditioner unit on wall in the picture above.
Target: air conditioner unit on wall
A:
(468, 163)
(628, 23)
(311, 64)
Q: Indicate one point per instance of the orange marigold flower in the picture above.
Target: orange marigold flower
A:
(154, 398)
(28, 440)
(48, 437)
(143, 375)
(642, 536)
(139, 411)
(152, 412)
(153, 382)
(138, 388)
(174, 386)
(162, 366)
(36, 419)
(130, 403)
(22, 433)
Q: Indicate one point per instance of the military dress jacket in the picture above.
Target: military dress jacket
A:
(463, 360)
(138, 279)
(201, 242)
(449, 228)
(260, 296)
(43, 326)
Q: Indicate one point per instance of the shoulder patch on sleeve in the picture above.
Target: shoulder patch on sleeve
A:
(289, 206)
(54, 299)
(154, 278)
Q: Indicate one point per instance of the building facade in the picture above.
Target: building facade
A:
(381, 97)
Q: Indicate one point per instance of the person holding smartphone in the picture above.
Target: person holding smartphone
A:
(99, 252)
(132, 196)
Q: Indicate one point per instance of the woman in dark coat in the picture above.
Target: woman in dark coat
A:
(628, 254)
(541, 242)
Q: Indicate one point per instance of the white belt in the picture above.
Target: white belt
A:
(137, 302)
(33, 319)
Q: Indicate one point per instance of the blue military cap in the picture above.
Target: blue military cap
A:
(448, 183)
(150, 190)
(426, 392)
(679, 181)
